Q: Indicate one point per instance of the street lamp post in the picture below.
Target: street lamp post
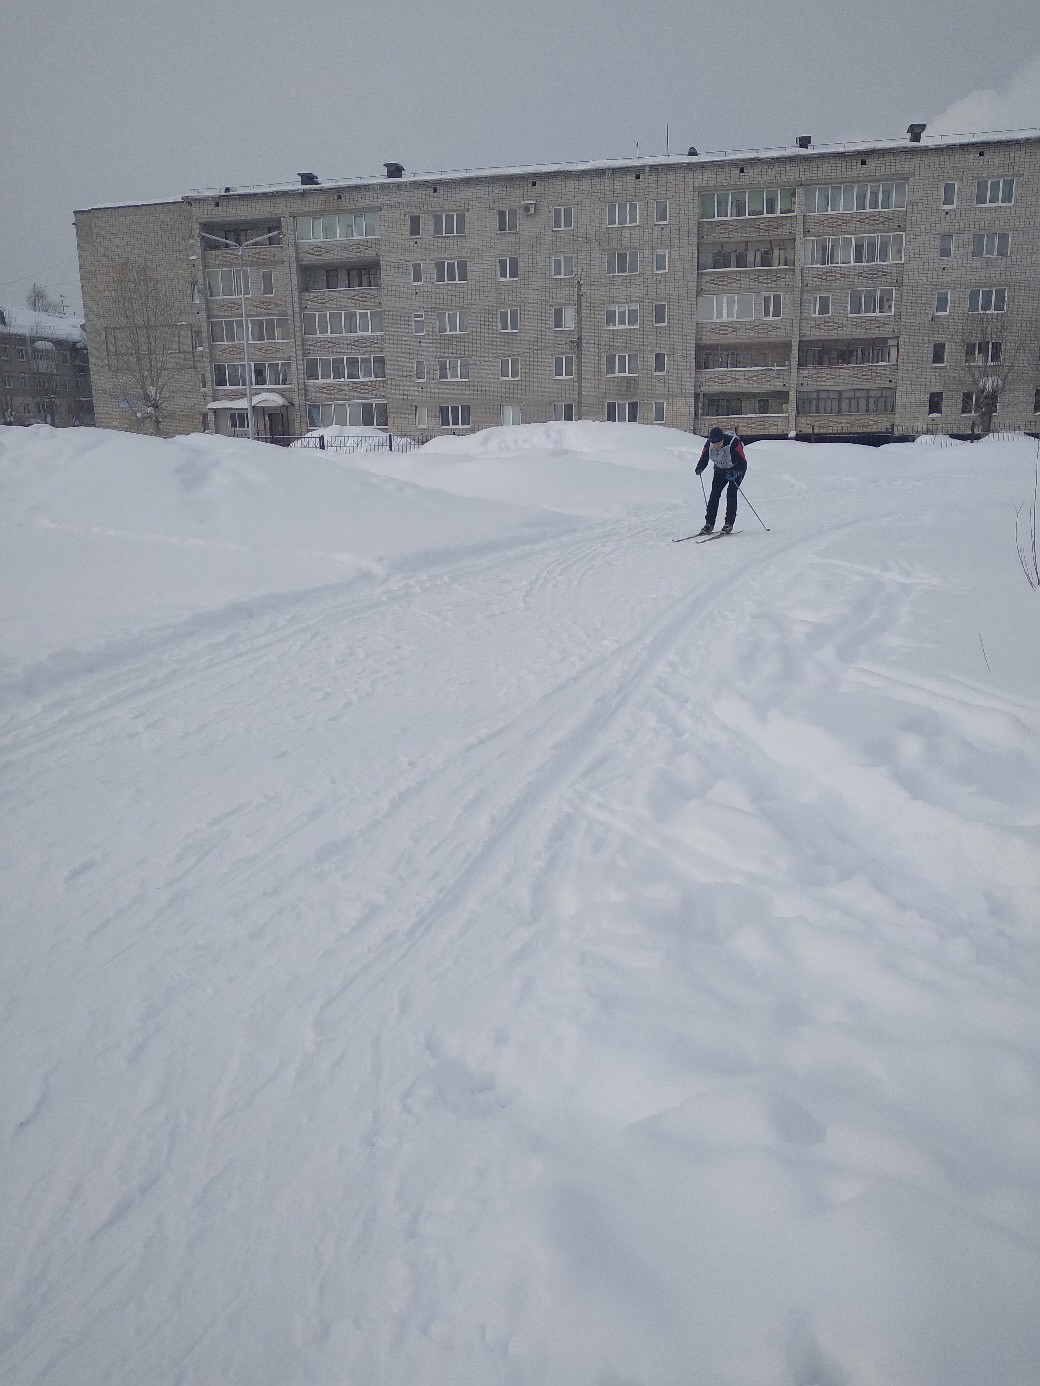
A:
(240, 250)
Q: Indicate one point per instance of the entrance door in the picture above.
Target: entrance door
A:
(278, 427)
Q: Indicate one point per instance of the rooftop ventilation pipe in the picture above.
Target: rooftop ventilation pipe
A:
(804, 141)
(394, 170)
(915, 132)
(309, 180)
(691, 153)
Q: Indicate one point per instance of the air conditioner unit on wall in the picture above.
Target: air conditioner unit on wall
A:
(530, 208)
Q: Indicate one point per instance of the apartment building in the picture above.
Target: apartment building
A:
(867, 290)
(44, 375)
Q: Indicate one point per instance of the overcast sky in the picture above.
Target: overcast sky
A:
(112, 100)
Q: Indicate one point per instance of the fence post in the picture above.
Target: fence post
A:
(321, 441)
(391, 437)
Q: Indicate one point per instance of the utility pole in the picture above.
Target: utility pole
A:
(240, 250)
(579, 370)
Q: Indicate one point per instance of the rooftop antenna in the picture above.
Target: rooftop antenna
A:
(666, 143)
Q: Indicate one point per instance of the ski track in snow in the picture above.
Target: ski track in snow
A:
(612, 1019)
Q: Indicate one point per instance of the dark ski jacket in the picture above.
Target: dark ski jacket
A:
(737, 460)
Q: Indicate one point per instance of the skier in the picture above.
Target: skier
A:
(725, 451)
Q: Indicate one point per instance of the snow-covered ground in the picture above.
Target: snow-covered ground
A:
(454, 936)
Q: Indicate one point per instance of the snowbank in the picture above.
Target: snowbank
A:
(480, 942)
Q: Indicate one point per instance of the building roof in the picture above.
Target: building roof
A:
(585, 166)
(45, 326)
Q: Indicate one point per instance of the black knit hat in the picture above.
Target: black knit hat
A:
(716, 435)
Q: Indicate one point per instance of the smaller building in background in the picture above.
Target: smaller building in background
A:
(44, 375)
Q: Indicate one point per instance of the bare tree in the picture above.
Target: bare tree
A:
(989, 365)
(41, 300)
(148, 348)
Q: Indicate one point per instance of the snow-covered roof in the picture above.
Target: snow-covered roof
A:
(589, 165)
(51, 326)
(265, 399)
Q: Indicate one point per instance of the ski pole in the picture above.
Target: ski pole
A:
(703, 492)
(754, 512)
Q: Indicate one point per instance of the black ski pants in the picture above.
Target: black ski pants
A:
(719, 480)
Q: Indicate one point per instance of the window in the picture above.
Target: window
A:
(416, 273)
(982, 353)
(507, 218)
(622, 315)
(563, 367)
(452, 368)
(660, 410)
(989, 191)
(271, 372)
(509, 320)
(988, 244)
(414, 225)
(987, 300)
(755, 356)
(510, 414)
(945, 247)
(772, 305)
(942, 301)
(346, 367)
(238, 420)
(563, 219)
(564, 318)
(340, 277)
(859, 351)
(660, 314)
(868, 302)
(229, 375)
(935, 404)
(725, 307)
(660, 262)
(661, 211)
(509, 368)
(821, 306)
(449, 223)
(338, 226)
(452, 271)
(622, 411)
(450, 321)
(422, 415)
(563, 411)
(622, 363)
(226, 330)
(509, 267)
(358, 413)
(855, 197)
(879, 249)
(938, 353)
(1036, 402)
(420, 371)
(623, 262)
(268, 329)
(855, 401)
(949, 195)
(733, 406)
(971, 401)
(563, 266)
(454, 415)
(623, 214)
(660, 362)
(343, 323)
(418, 323)
(747, 202)
(227, 283)
(266, 283)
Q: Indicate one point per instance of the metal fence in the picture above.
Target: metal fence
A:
(348, 442)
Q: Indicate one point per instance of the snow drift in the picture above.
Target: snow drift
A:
(454, 935)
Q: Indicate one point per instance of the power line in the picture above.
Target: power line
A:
(25, 277)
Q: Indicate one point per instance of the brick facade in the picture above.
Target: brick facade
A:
(863, 367)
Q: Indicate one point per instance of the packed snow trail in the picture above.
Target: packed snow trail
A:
(588, 961)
